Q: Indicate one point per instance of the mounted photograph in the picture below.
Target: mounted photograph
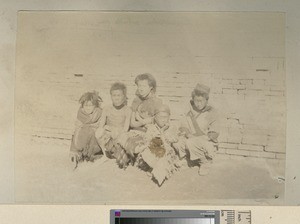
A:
(177, 108)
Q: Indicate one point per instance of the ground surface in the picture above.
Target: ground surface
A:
(43, 175)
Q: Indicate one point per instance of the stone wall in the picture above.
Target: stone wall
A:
(61, 57)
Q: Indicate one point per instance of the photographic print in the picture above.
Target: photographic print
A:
(150, 107)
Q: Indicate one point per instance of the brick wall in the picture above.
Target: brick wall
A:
(245, 72)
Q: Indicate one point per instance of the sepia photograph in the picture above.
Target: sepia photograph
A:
(150, 107)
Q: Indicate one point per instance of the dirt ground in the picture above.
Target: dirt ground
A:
(43, 174)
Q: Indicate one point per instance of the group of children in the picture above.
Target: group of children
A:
(142, 135)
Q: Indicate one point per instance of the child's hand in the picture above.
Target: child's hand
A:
(107, 128)
(179, 145)
(171, 138)
(114, 134)
(148, 120)
(184, 130)
(99, 132)
(205, 137)
(188, 135)
(165, 127)
(138, 117)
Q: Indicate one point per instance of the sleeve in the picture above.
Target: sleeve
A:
(127, 119)
(214, 127)
(97, 118)
(78, 124)
(135, 103)
(184, 125)
(150, 133)
(157, 102)
(78, 121)
(102, 120)
(128, 111)
(172, 134)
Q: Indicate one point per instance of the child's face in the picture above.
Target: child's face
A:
(117, 97)
(200, 102)
(88, 107)
(162, 119)
(143, 87)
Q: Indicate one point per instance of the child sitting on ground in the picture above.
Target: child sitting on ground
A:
(84, 145)
(114, 122)
(160, 156)
(200, 127)
(145, 103)
(143, 107)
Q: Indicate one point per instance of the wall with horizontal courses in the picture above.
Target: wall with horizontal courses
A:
(60, 57)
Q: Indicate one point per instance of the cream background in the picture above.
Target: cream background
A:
(99, 214)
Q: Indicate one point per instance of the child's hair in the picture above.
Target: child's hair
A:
(201, 90)
(162, 108)
(90, 96)
(149, 77)
(197, 92)
(119, 86)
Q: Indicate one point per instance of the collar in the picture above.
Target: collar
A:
(121, 106)
(206, 108)
(150, 95)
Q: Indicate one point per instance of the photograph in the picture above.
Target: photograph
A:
(150, 107)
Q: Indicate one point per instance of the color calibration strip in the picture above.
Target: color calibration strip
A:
(180, 217)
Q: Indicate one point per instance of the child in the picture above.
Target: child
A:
(84, 145)
(159, 155)
(144, 105)
(114, 122)
(200, 128)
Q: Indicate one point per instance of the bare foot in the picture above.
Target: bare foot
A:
(74, 162)
(182, 164)
(204, 169)
(103, 159)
